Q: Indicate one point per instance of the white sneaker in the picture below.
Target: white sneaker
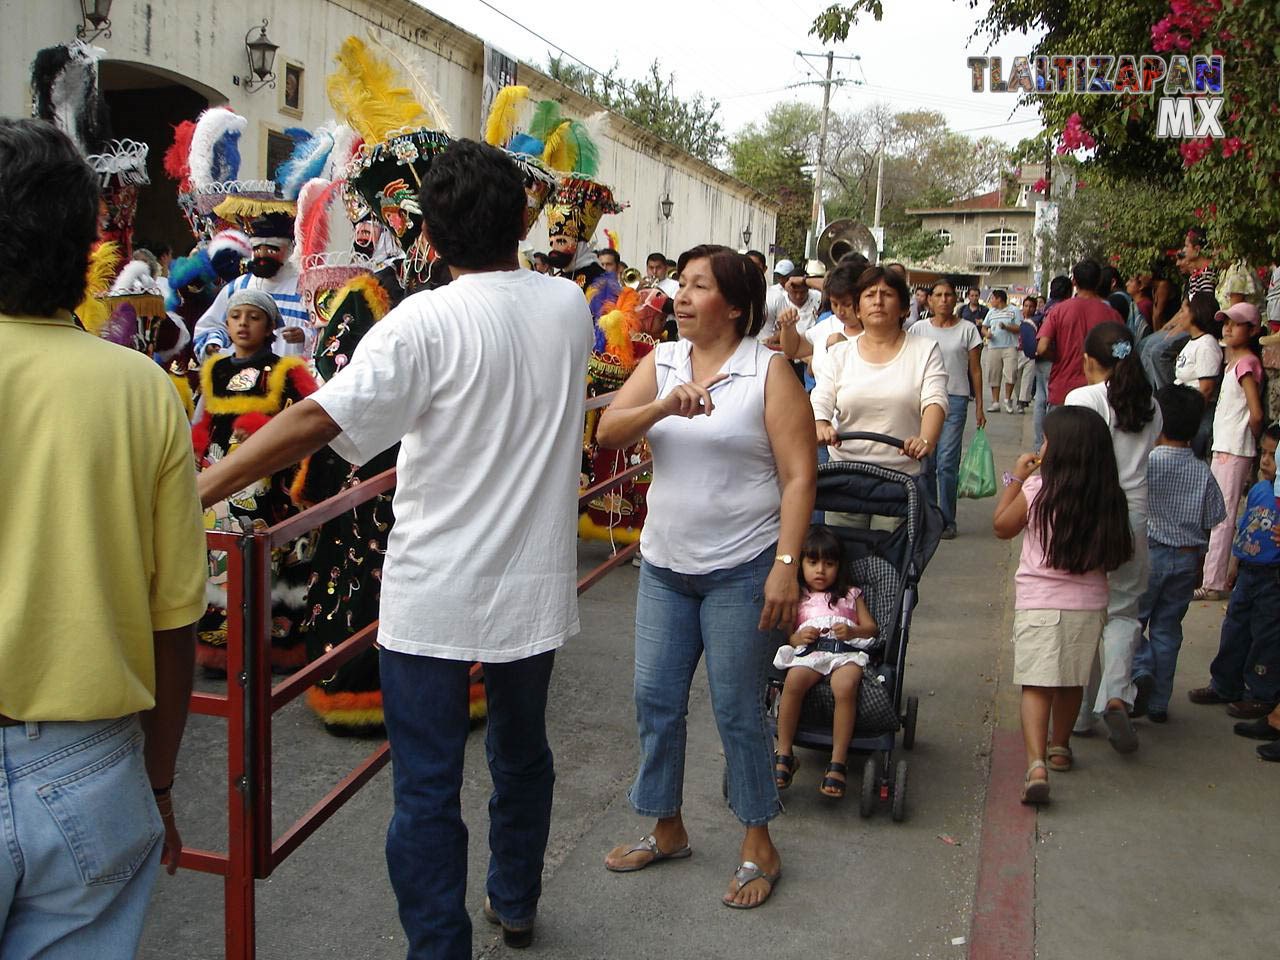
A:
(993, 407)
(1008, 406)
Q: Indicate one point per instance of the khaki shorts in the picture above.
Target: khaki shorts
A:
(1055, 648)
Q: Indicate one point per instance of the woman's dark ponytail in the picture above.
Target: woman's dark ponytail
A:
(1128, 391)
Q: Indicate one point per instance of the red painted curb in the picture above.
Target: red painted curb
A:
(1003, 926)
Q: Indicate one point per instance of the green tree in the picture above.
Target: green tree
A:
(1233, 181)
(688, 122)
(773, 157)
(914, 246)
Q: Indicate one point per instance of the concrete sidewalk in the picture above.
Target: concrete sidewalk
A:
(1143, 854)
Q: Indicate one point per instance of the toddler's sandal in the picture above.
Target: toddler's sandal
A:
(784, 769)
(830, 786)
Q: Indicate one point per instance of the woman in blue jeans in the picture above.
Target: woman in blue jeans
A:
(733, 486)
(961, 347)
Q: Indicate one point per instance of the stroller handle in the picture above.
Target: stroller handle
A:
(873, 437)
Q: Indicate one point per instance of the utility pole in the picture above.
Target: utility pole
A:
(811, 241)
(879, 183)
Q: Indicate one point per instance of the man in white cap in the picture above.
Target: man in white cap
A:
(775, 300)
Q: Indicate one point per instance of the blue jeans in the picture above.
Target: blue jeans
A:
(679, 618)
(425, 705)
(1174, 572)
(80, 830)
(1042, 400)
(1247, 666)
(942, 471)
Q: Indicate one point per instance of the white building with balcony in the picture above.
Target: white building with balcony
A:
(986, 238)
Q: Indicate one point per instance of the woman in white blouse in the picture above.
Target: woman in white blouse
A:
(882, 381)
(732, 492)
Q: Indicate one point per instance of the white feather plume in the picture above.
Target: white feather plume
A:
(135, 278)
(211, 127)
(345, 142)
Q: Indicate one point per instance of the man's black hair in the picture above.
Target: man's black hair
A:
(659, 257)
(1108, 280)
(1181, 409)
(610, 251)
(1001, 294)
(1086, 274)
(856, 261)
(1060, 288)
(48, 219)
(473, 204)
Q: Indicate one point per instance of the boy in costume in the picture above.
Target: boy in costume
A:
(240, 392)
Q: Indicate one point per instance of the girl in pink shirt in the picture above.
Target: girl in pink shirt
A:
(833, 634)
(1077, 529)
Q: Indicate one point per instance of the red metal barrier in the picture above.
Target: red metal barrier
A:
(253, 853)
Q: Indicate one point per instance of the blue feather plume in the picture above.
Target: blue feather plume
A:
(306, 162)
(523, 143)
(226, 157)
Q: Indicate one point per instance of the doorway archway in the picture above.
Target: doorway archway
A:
(145, 103)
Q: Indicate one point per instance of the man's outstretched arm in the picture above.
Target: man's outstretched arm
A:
(294, 433)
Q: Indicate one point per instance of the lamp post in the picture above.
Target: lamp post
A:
(95, 18)
(746, 236)
(261, 53)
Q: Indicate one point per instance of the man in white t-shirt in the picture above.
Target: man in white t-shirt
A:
(482, 382)
(1000, 358)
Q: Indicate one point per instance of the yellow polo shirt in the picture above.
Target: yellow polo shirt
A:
(101, 539)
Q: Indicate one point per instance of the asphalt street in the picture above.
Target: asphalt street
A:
(1160, 852)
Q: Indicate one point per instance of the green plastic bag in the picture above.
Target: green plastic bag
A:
(978, 469)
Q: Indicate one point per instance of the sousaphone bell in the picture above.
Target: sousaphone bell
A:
(843, 237)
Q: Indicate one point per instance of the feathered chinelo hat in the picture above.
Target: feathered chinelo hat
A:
(403, 128)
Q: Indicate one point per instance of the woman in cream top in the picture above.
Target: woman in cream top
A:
(882, 381)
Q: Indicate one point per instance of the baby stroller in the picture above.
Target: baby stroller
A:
(888, 566)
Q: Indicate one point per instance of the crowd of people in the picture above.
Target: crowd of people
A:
(308, 382)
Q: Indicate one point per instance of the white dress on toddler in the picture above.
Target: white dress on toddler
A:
(817, 610)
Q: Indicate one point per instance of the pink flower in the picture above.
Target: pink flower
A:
(1080, 184)
(1226, 35)
(1199, 212)
(1230, 146)
(1039, 185)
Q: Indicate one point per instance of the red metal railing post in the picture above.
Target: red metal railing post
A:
(238, 908)
(259, 696)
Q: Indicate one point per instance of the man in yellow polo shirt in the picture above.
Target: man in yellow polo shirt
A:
(102, 571)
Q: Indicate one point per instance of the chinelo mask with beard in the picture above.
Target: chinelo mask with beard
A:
(264, 267)
(560, 259)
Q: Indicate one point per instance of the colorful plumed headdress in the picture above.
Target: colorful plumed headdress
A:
(403, 127)
(65, 92)
(322, 271)
(508, 119)
(556, 143)
(205, 160)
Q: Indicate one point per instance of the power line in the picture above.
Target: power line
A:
(554, 46)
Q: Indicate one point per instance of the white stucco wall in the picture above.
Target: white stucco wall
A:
(202, 46)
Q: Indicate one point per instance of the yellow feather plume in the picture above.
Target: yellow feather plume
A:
(103, 261)
(560, 152)
(412, 64)
(504, 115)
(363, 90)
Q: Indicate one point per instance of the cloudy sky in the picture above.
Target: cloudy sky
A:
(743, 52)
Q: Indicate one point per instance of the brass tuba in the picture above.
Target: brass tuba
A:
(845, 236)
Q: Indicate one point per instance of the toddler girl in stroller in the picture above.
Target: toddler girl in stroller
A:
(834, 628)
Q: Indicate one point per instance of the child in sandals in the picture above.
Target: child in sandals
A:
(1077, 530)
(835, 627)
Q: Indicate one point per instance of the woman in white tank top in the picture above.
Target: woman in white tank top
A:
(733, 487)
